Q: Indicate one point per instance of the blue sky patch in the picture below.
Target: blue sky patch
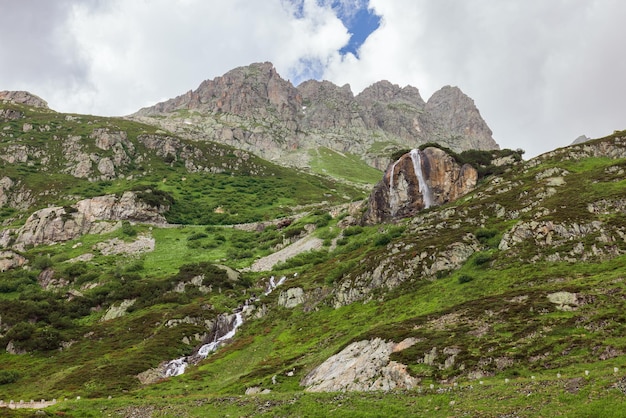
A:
(355, 16)
(360, 23)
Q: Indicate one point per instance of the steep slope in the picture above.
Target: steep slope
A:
(489, 303)
(486, 288)
(53, 159)
(253, 108)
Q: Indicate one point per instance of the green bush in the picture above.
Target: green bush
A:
(483, 235)
(127, 229)
(481, 259)
(76, 269)
(323, 220)
(382, 240)
(8, 376)
(464, 278)
(42, 262)
(352, 230)
(196, 236)
(342, 241)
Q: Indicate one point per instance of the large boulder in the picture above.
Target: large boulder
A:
(362, 366)
(418, 180)
(58, 224)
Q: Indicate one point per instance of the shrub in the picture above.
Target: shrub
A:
(323, 220)
(8, 376)
(196, 236)
(464, 278)
(42, 262)
(481, 259)
(76, 269)
(352, 230)
(382, 240)
(127, 229)
(484, 235)
(342, 241)
(22, 331)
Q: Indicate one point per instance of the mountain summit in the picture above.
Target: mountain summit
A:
(253, 108)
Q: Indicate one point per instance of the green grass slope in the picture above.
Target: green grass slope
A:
(489, 278)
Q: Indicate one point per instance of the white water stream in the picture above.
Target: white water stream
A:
(177, 366)
(424, 189)
(393, 199)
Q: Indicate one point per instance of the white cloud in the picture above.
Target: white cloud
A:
(541, 72)
(141, 52)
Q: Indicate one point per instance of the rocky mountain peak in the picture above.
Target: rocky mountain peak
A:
(457, 115)
(255, 109)
(254, 91)
(386, 92)
(23, 97)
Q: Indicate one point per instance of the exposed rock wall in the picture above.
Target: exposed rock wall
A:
(254, 109)
(57, 224)
(362, 366)
(23, 97)
(399, 194)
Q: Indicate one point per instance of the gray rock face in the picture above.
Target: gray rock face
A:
(416, 181)
(254, 109)
(291, 297)
(23, 97)
(57, 224)
(10, 260)
(362, 366)
(455, 114)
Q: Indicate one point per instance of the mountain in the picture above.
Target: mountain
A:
(151, 274)
(254, 109)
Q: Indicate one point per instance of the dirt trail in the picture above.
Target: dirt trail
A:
(305, 244)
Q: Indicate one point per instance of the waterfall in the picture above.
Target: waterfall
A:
(212, 346)
(273, 285)
(423, 186)
(177, 366)
(393, 199)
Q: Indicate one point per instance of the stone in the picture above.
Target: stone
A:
(362, 366)
(11, 260)
(564, 301)
(116, 311)
(23, 97)
(291, 297)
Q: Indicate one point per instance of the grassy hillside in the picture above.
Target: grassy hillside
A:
(513, 295)
(208, 183)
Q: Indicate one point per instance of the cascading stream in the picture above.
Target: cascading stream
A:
(423, 186)
(393, 199)
(177, 366)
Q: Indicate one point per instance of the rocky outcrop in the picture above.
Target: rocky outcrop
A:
(291, 297)
(23, 97)
(362, 366)
(143, 244)
(57, 224)
(254, 109)
(417, 181)
(10, 260)
(117, 311)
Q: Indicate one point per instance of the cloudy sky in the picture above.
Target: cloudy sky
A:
(541, 72)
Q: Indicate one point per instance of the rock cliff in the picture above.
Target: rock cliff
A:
(63, 223)
(253, 108)
(419, 180)
(23, 97)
